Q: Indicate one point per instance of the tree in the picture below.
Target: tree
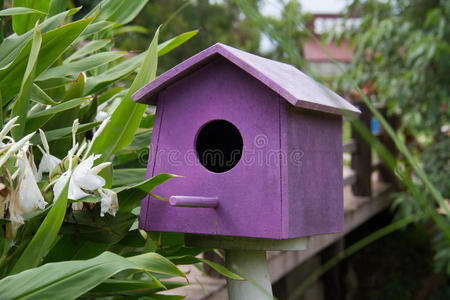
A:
(402, 56)
(216, 22)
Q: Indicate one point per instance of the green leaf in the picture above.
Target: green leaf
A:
(109, 94)
(162, 297)
(131, 29)
(45, 236)
(126, 117)
(94, 28)
(127, 11)
(190, 259)
(39, 96)
(141, 139)
(14, 11)
(57, 6)
(89, 48)
(89, 225)
(68, 280)
(59, 133)
(114, 287)
(128, 176)
(147, 121)
(130, 196)
(82, 65)
(75, 90)
(96, 83)
(173, 43)
(118, 11)
(38, 119)
(21, 104)
(54, 83)
(156, 263)
(54, 43)
(58, 108)
(23, 23)
(13, 44)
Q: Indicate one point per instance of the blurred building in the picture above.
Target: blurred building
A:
(319, 60)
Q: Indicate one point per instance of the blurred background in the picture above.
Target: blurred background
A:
(394, 55)
(398, 54)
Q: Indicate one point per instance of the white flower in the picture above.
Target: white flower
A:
(7, 127)
(101, 116)
(97, 133)
(14, 147)
(108, 203)
(47, 164)
(48, 161)
(60, 184)
(85, 177)
(29, 197)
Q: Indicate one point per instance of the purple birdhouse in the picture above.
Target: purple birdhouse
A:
(258, 145)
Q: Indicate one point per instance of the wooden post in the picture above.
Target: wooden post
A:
(246, 257)
(386, 174)
(362, 157)
(249, 264)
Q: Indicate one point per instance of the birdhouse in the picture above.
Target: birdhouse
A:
(258, 145)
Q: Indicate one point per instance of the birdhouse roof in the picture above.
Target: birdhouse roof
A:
(290, 83)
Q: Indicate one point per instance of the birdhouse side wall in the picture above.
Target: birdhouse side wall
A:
(312, 178)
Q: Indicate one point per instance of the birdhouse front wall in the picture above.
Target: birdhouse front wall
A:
(249, 193)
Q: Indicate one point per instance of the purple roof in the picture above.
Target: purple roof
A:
(290, 83)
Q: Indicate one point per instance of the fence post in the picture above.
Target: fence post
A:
(386, 174)
(362, 157)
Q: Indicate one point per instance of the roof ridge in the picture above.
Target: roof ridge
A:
(293, 85)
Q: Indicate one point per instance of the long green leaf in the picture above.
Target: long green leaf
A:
(127, 116)
(13, 44)
(69, 280)
(57, 6)
(20, 107)
(39, 96)
(89, 48)
(123, 177)
(45, 236)
(114, 287)
(130, 196)
(59, 133)
(38, 119)
(58, 108)
(127, 11)
(118, 11)
(94, 28)
(14, 11)
(54, 43)
(190, 259)
(96, 83)
(82, 65)
(156, 263)
(171, 44)
(23, 23)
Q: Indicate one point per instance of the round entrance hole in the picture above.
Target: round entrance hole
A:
(219, 146)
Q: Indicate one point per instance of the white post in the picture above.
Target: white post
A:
(252, 265)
